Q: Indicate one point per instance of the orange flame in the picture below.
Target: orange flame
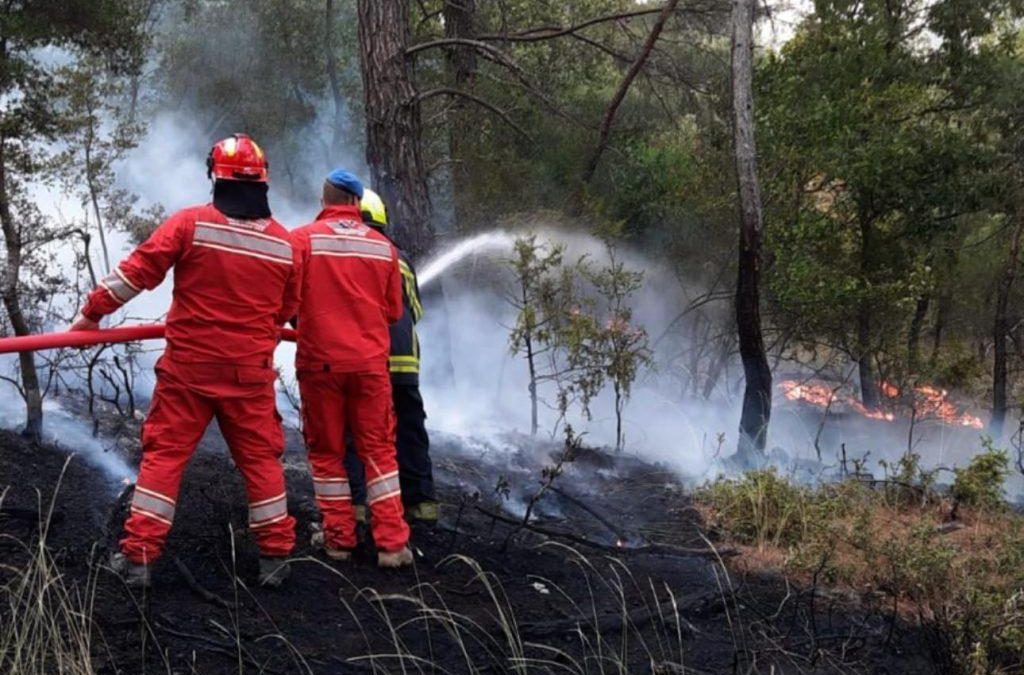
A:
(930, 402)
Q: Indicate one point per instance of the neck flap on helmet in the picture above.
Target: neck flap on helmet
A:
(241, 199)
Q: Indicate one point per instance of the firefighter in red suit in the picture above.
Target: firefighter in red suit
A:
(236, 281)
(352, 292)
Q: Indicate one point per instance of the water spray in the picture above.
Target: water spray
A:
(495, 240)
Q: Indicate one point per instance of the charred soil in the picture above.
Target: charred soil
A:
(616, 574)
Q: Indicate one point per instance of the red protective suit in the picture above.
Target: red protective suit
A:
(235, 283)
(351, 293)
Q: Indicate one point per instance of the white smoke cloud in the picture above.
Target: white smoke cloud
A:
(67, 431)
(490, 396)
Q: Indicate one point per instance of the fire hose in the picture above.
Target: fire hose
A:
(86, 338)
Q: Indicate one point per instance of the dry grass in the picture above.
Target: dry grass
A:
(47, 622)
(890, 544)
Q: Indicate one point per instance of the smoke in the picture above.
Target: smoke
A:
(490, 393)
(664, 421)
(489, 396)
(67, 431)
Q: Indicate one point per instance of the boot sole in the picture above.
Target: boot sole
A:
(395, 560)
(340, 556)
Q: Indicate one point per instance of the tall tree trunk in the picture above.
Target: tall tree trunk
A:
(914, 334)
(757, 397)
(393, 121)
(12, 303)
(1001, 328)
(333, 79)
(865, 351)
(460, 24)
(865, 364)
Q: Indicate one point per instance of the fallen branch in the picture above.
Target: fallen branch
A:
(230, 649)
(196, 587)
(606, 623)
(579, 503)
(649, 549)
(29, 515)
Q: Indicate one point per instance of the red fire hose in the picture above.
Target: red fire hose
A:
(85, 338)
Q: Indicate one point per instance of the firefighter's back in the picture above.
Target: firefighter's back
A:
(229, 288)
(351, 293)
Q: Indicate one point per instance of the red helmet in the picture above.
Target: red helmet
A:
(237, 158)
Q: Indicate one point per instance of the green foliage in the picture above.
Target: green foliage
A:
(619, 348)
(539, 289)
(866, 169)
(574, 326)
(957, 366)
(761, 508)
(980, 483)
(907, 482)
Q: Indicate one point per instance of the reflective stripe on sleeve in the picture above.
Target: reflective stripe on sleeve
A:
(119, 287)
(409, 281)
(383, 487)
(332, 489)
(153, 505)
(404, 364)
(268, 511)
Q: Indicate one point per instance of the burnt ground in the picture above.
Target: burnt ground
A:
(622, 581)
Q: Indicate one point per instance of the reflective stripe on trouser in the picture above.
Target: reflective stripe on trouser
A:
(415, 470)
(331, 488)
(333, 403)
(186, 398)
(268, 511)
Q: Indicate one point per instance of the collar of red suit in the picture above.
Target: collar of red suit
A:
(341, 212)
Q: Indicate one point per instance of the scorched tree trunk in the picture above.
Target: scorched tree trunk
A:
(1001, 329)
(757, 397)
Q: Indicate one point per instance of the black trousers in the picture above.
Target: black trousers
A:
(415, 472)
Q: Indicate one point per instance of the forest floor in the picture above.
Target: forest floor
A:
(625, 579)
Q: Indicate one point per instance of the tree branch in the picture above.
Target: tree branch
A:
(627, 80)
(549, 32)
(495, 55)
(451, 91)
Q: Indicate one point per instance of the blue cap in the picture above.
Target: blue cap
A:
(345, 180)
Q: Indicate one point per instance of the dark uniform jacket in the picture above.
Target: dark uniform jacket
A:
(405, 345)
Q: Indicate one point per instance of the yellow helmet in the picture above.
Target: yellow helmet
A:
(373, 208)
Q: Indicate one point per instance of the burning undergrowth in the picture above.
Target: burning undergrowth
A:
(923, 402)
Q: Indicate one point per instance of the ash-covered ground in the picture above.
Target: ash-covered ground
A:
(616, 575)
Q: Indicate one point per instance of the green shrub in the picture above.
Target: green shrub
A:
(761, 508)
(980, 483)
